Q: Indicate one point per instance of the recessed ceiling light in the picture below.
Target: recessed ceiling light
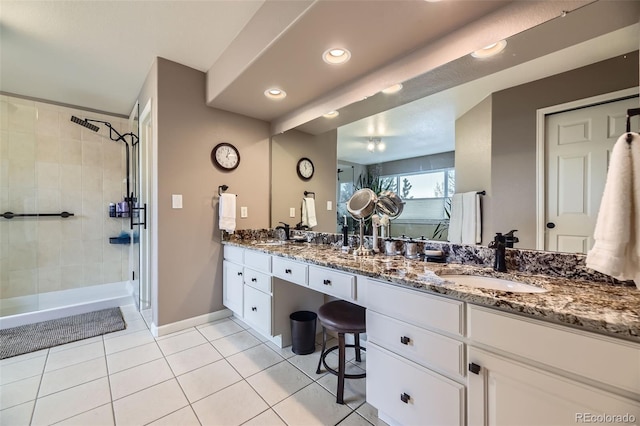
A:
(336, 56)
(331, 114)
(275, 93)
(490, 50)
(392, 89)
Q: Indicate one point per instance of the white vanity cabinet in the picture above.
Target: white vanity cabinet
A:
(232, 279)
(415, 356)
(527, 372)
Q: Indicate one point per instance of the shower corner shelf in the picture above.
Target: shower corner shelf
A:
(120, 240)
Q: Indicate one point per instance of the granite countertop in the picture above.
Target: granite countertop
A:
(592, 306)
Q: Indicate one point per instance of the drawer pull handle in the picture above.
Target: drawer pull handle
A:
(405, 398)
(405, 340)
(254, 280)
(239, 274)
(326, 282)
(254, 309)
(474, 368)
(287, 271)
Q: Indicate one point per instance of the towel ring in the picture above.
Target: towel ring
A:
(307, 193)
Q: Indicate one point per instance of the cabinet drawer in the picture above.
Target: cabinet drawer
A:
(258, 261)
(331, 282)
(596, 357)
(257, 309)
(431, 399)
(416, 307)
(233, 254)
(257, 280)
(417, 344)
(290, 270)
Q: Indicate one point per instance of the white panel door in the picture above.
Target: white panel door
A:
(577, 146)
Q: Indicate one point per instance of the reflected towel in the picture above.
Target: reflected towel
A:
(227, 212)
(616, 251)
(309, 212)
(465, 223)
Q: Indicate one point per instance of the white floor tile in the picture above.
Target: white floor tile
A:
(354, 419)
(370, 413)
(219, 329)
(208, 379)
(183, 417)
(313, 405)
(354, 389)
(24, 357)
(278, 382)
(190, 359)
(180, 342)
(132, 357)
(235, 343)
(285, 352)
(68, 403)
(128, 341)
(74, 375)
(240, 322)
(150, 404)
(254, 360)
(101, 416)
(18, 415)
(19, 392)
(26, 368)
(75, 355)
(266, 418)
(137, 378)
(309, 363)
(75, 344)
(222, 408)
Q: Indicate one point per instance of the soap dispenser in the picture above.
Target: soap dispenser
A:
(345, 234)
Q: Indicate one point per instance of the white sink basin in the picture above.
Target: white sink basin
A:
(493, 283)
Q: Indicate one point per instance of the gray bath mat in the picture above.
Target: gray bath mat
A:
(41, 335)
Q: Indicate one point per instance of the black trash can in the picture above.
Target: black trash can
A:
(303, 332)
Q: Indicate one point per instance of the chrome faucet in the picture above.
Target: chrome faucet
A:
(499, 261)
(285, 227)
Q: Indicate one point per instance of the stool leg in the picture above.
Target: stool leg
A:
(324, 345)
(341, 368)
(356, 338)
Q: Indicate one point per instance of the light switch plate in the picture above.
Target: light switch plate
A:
(329, 205)
(292, 212)
(176, 201)
(243, 212)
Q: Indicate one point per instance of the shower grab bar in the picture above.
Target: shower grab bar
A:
(11, 215)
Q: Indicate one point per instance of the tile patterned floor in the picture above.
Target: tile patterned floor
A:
(220, 373)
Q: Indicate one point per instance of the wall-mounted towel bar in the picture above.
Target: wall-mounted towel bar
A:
(223, 188)
(481, 192)
(307, 193)
(11, 215)
(631, 113)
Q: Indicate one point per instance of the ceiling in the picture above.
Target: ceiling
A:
(96, 54)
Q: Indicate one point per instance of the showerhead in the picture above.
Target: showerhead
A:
(85, 123)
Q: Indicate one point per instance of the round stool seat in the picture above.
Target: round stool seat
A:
(343, 317)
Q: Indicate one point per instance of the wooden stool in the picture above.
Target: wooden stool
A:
(342, 317)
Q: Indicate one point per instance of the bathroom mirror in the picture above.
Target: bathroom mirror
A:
(508, 172)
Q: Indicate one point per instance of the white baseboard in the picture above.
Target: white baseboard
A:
(163, 330)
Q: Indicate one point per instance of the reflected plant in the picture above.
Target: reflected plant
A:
(443, 225)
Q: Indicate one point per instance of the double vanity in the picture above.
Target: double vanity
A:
(455, 344)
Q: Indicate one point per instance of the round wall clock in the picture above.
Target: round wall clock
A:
(225, 156)
(305, 168)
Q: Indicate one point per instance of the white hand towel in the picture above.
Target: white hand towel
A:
(455, 220)
(227, 212)
(616, 251)
(470, 215)
(309, 212)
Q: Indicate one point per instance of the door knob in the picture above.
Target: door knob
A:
(551, 225)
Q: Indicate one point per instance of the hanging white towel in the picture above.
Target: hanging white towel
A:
(616, 251)
(309, 212)
(455, 220)
(227, 212)
(465, 223)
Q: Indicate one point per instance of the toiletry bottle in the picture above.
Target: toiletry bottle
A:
(112, 209)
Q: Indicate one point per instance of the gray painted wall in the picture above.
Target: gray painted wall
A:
(287, 189)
